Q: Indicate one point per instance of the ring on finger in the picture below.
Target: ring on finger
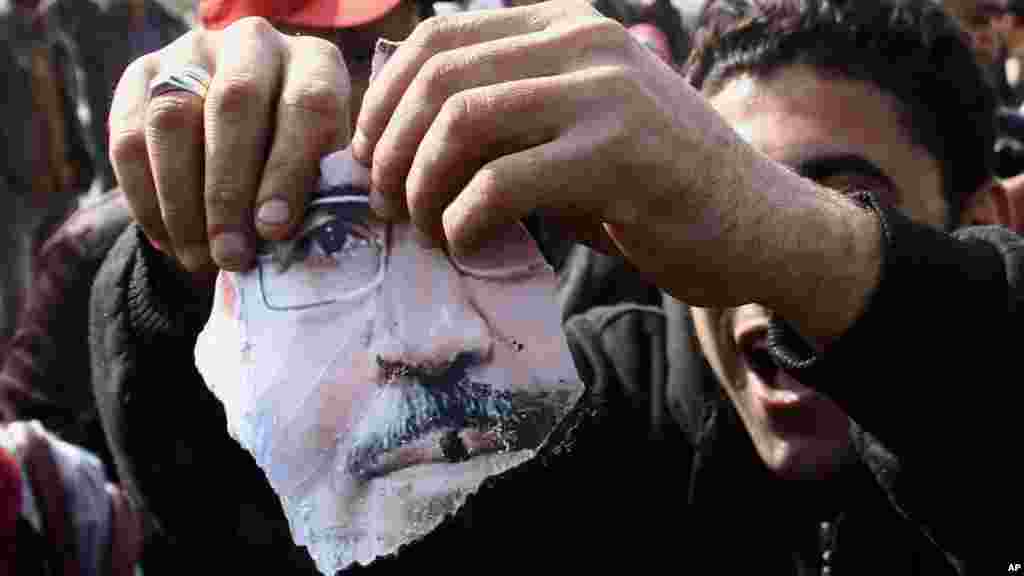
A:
(188, 78)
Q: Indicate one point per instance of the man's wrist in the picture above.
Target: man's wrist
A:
(833, 262)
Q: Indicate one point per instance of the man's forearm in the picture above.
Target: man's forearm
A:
(809, 253)
(828, 263)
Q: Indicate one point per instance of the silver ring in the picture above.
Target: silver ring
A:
(189, 78)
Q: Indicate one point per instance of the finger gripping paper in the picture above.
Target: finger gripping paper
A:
(378, 383)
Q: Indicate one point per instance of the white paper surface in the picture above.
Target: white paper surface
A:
(377, 383)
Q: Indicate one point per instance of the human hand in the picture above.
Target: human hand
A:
(206, 178)
(481, 118)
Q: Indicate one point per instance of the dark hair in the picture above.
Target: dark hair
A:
(424, 9)
(909, 49)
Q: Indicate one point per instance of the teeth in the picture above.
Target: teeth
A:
(785, 396)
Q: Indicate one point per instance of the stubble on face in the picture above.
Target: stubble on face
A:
(845, 135)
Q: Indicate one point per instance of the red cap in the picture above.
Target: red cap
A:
(216, 14)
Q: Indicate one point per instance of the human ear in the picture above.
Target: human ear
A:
(997, 203)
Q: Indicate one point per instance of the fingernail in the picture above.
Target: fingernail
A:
(274, 212)
(229, 248)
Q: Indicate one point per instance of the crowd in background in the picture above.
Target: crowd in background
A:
(61, 210)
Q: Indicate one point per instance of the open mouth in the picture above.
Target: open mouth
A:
(783, 397)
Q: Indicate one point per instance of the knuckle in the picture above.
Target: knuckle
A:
(456, 117)
(435, 32)
(234, 97)
(174, 111)
(438, 77)
(253, 27)
(129, 100)
(487, 184)
(190, 45)
(313, 47)
(585, 7)
(127, 146)
(599, 31)
(323, 106)
(316, 94)
(619, 80)
(574, 8)
(138, 68)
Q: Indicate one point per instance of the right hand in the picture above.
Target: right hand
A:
(206, 179)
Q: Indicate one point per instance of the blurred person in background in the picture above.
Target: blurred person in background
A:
(45, 373)
(59, 514)
(978, 18)
(994, 27)
(108, 35)
(1007, 19)
(46, 158)
(61, 60)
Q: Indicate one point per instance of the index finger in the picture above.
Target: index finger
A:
(439, 34)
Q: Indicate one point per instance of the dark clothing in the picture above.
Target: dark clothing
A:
(45, 373)
(653, 468)
(589, 279)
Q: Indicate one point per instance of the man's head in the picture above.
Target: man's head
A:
(857, 95)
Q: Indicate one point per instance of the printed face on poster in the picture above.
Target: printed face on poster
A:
(378, 383)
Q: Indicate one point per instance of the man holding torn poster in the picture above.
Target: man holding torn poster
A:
(376, 382)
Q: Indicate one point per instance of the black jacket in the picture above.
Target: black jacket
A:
(653, 468)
